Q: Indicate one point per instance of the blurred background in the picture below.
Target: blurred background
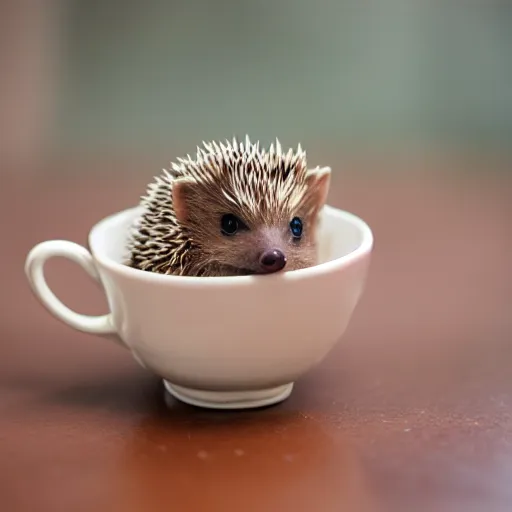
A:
(139, 83)
(409, 102)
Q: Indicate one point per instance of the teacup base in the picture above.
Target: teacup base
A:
(229, 399)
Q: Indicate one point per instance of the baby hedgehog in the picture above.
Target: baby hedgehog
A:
(234, 210)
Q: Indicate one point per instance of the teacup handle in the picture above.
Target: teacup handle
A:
(34, 270)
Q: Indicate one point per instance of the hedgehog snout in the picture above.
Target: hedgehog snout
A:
(272, 261)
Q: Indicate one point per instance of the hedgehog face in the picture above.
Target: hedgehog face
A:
(236, 245)
(264, 248)
(253, 216)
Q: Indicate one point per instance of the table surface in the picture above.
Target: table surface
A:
(411, 411)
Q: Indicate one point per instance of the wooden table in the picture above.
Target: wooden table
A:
(412, 411)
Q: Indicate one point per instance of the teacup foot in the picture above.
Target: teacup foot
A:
(229, 399)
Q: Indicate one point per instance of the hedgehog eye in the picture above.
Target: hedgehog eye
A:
(296, 227)
(229, 224)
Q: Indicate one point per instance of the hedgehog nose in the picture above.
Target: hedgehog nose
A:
(272, 261)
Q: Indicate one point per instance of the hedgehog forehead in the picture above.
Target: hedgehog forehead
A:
(262, 191)
(263, 194)
(260, 185)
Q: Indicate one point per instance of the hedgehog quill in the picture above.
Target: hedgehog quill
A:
(234, 209)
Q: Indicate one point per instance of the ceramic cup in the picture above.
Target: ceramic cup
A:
(218, 342)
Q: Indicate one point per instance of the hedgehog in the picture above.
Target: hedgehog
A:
(234, 210)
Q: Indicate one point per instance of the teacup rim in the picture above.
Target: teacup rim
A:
(327, 267)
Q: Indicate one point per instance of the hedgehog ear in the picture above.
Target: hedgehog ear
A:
(182, 190)
(318, 181)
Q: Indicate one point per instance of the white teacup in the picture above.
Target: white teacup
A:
(220, 342)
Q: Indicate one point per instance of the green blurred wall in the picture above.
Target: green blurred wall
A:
(151, 74)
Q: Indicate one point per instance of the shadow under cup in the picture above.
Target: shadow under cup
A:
(222, 342)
